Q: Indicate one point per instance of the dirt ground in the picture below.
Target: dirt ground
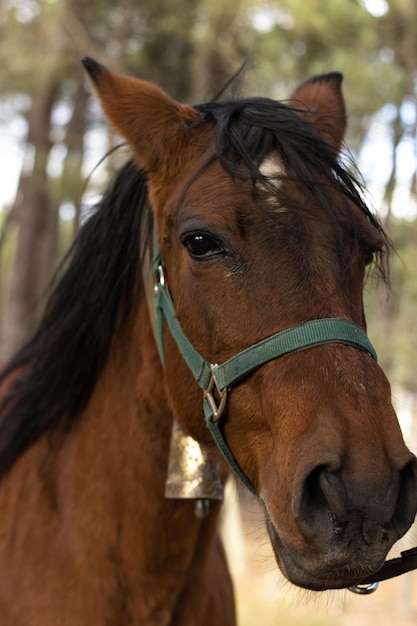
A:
(264, 598)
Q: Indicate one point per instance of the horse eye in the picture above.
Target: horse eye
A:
(202, 246)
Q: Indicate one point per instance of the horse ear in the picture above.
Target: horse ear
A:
(142, 113)
(320, 101)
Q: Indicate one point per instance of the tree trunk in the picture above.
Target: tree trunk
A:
(74, 140)
(36, 217)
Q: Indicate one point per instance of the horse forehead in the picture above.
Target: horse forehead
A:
(223, 201)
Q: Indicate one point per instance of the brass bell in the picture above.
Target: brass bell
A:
(192, 472)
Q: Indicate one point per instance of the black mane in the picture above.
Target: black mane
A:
(57, 370)
(61, 364)
(248, 130)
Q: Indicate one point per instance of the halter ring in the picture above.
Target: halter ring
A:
(364, 590)
(217, 408)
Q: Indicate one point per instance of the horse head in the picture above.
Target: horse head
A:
(261, 229)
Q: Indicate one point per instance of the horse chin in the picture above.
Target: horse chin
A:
(319, 572)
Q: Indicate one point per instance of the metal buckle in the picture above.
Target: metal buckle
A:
(364, 590)
(159, 279)
(217, 406)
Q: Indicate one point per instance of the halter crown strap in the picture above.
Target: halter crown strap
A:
(216, 379)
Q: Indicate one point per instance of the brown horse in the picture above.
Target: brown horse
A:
(261, 243)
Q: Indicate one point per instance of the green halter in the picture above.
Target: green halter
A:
(216, 379)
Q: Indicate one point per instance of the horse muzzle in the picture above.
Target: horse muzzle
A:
(333, 568)
(342, 529)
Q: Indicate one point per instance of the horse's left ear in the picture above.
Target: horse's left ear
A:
(142, 113)
(321, 102)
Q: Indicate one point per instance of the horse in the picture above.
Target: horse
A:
(218, 285)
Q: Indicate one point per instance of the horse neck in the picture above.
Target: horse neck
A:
(126, 432)
(128, 422)
(94, 500)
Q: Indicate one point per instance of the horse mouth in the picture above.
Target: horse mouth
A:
(330, 569)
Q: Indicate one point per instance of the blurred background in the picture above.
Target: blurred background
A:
(52, 134)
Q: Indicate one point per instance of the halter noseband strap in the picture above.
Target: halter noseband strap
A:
(216, 379)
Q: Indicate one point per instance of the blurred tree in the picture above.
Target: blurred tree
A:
(399, 31)
(391, 312)
(141, 37)
(35, 210)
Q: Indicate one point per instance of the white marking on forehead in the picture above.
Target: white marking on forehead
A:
(271, 167)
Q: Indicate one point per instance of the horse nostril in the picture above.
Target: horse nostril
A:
(331, 502)
(311, 507)
(407, 497)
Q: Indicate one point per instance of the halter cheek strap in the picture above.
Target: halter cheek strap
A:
(216, 379)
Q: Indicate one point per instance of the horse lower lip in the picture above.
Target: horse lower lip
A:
(316, 573)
